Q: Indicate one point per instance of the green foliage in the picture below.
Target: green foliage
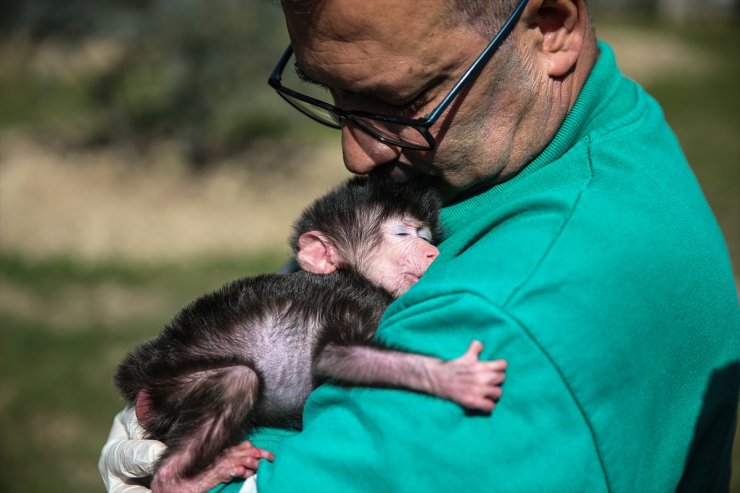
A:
(27, 100)
(192, 71)
(50, 275)
(55, 386)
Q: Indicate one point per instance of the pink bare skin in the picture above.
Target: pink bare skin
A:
(466, 380)
(239, 461)
(404, 254)
(472, 383)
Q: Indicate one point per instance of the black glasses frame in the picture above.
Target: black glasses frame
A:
(421, 125)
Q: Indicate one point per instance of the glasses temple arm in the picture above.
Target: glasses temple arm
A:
(277, 72)
(478, 63)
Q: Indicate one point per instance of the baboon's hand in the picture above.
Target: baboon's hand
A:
(472, 383)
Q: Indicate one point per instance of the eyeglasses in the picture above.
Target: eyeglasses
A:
(410, 133)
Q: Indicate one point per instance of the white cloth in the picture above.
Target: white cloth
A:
(250, 485)
(126, 455)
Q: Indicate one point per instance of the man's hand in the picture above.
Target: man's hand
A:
(127, 456)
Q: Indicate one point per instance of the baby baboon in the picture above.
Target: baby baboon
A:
(251, 352)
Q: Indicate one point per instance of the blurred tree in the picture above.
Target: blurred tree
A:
(193, 71)
(71, 19)
(196, 71)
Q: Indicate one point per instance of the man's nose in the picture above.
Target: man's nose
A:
(363, 153)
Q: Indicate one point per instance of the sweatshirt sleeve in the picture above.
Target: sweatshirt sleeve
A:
(372, 439)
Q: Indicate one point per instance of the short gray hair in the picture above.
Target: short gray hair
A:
(486, 16)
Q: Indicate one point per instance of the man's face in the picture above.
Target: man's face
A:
(402, 58)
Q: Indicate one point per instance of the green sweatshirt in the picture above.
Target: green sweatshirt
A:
(600, 274)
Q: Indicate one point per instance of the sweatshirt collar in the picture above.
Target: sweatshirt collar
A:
(586, 114)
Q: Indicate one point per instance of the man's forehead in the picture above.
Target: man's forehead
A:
(351, 68)
(354, 45)
(358, 19)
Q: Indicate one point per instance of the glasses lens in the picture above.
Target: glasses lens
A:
(394, 133)
(312, 100)
(321, 115)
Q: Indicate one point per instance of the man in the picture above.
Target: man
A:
(578, 246)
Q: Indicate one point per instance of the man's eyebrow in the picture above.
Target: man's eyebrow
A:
(308, 80)
(300, 73)
(364, 94)
(305, 78)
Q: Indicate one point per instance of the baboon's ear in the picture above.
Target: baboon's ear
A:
(316, 253)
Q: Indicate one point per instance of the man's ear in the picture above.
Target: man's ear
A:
(316, 253)
(560, 27)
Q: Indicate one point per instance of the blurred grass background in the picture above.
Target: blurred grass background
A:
(144, 161)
